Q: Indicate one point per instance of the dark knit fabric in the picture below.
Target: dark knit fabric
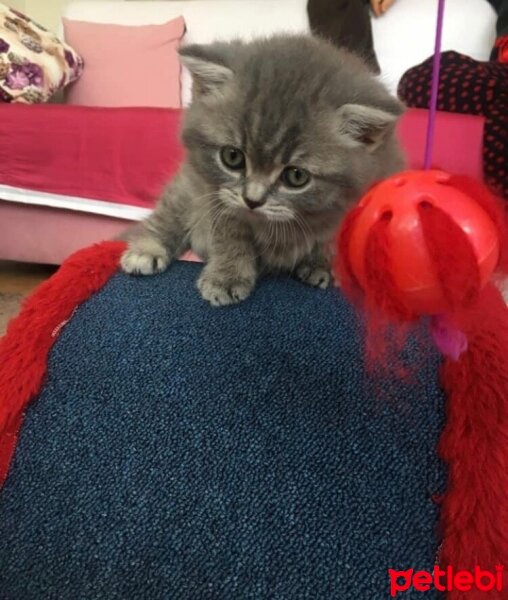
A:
(181, 452)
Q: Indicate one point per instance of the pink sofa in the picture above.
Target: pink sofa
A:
(71, 176)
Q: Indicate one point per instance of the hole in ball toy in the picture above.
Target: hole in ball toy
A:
(386, 215)
(425, 204)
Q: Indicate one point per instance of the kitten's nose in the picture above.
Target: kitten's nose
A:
(253, 204)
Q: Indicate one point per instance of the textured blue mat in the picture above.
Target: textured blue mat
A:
(182, 452)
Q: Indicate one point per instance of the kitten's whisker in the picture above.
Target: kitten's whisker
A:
(304, 228)
(267, 242)
(210, 209)
(285, 243)
(294, 249)
(208, 214)
(276, 241)
(260, 238)
(272, 239)
(221, 216)
(215, 217)
(289, 231)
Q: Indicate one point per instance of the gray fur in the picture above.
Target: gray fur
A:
(284, 101)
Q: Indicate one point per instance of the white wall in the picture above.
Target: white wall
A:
(17, 4)
(45, 12)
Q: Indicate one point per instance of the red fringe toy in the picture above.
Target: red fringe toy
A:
(426, 243)
(26, 346)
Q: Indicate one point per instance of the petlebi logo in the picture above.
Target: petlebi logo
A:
(446, 580)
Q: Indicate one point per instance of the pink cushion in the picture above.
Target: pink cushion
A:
(127, 66)
(458, 141)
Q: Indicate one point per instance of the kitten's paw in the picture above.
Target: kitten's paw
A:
(144, 257)
(316, 276)
(223, 292)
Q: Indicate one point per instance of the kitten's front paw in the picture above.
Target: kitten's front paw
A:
(221, 292)
(144, 257)
(316, 276)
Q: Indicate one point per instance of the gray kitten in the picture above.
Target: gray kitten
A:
(282, 136)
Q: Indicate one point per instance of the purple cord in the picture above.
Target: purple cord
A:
(435, 85)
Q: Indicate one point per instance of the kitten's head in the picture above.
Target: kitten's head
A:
(287, 126)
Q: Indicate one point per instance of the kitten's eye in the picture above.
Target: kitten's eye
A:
(293, 177)
(232, 158)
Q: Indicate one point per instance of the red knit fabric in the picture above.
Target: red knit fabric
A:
(25, 347)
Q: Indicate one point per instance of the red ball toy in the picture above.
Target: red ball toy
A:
(414, 262)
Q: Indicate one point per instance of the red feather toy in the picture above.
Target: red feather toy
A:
(428, 244)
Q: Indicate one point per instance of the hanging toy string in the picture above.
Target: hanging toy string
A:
(435, 86)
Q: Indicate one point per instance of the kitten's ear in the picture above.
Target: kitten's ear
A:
(208, 67)
(366, 126)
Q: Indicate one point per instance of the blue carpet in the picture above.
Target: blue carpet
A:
(181, 452)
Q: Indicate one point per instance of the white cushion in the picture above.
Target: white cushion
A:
(403, 37)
